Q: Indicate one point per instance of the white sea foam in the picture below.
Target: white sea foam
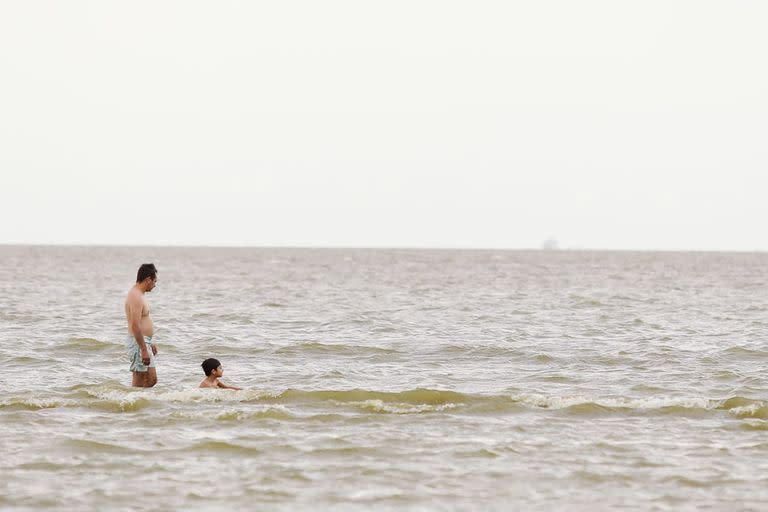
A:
(645, 403)
(400, 408)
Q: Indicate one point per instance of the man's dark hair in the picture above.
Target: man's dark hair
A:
(146, 270)
(209, 365)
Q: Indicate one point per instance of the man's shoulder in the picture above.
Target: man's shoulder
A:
(133, 295)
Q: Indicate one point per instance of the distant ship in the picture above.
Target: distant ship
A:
(550, 244)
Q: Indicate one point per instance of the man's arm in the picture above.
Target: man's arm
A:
(134, 320)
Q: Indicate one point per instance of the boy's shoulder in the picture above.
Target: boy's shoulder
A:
(208, 384)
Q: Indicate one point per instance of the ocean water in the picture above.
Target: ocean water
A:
(387, 380)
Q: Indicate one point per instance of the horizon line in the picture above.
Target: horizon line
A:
(374, 247)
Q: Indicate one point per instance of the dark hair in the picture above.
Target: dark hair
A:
(210, 364)
(146, 270)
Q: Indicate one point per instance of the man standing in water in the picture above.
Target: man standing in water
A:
(141, 349)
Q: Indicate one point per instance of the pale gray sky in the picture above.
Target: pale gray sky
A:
(603, 124)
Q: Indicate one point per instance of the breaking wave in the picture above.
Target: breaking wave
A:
(113, 397)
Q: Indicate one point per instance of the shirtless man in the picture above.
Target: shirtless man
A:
(141, 349)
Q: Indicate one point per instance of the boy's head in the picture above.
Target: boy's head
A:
(209, 365)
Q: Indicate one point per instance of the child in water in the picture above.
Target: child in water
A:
(213, 370)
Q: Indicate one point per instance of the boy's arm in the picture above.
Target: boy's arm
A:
(224, 386)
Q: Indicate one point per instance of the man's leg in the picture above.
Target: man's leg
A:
(151, 377)
(144, 379)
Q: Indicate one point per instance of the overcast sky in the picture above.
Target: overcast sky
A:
(601, 124)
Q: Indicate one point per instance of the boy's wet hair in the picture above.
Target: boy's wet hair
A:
(146, 270)
(210, 364)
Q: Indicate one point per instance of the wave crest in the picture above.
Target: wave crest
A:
(114, 397)
(89, 344)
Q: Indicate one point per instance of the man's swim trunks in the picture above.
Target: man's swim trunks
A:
(134, 354)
